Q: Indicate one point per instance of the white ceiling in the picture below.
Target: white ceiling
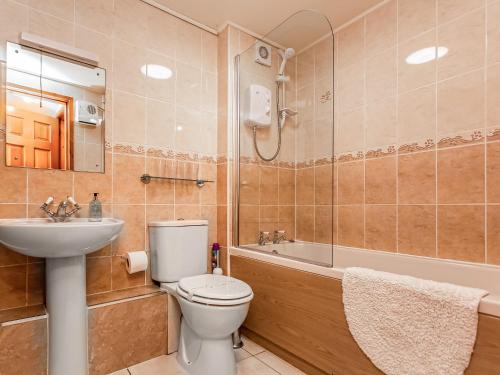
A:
(261, 16)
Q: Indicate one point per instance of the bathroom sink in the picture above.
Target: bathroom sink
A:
(45, 238)
(64, 245)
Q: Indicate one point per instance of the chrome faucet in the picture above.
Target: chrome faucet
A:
(61, 213)
(263, 238)
(279, 235)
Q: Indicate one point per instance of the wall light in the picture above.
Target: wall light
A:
(156, 71)
(10, 108)
(426, 55)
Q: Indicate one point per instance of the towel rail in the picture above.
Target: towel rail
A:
(146, 179)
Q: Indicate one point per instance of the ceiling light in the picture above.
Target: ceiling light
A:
(156, 71)
(426, 55)
(10, 108)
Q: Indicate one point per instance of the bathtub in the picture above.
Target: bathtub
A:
(318, 259)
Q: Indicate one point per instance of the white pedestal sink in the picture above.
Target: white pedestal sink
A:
(64, 245)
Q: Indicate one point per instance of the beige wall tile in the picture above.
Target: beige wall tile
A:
(417, 178)
(460, 175)
(351, 44)
(461, 233)
(188, 47)
(380, 227)
(381, 180)
(450, 9)
(466, 43)
(417, 230)
(128, 60)
(493, 35)
(412, 76)
(351, 86)
(130, 21)
(381, 28)
(249, 184)
(161, 31)
(417, 115)
(14, 183)
(381, 123)
(161, 89)
(129, 118)
(351, 128)
(13, 18)
(95, 15)
(323, 224)
(415, 17)
(461, 104)
(381, 76)
(160, 128)
(51, 27)
(493, 96)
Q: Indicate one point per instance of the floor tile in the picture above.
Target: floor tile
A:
(251, 347)
(159, 365)
(278, 364)
(241, 354)
(252, 366)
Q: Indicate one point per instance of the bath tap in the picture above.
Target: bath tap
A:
(61, 214)
(279, 235)
(263, 238)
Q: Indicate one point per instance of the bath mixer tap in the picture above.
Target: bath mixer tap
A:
(264, 238)
(61, 213)
(279, 235)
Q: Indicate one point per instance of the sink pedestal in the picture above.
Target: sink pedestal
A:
(67, 310)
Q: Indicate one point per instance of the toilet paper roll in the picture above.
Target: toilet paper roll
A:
(136, 261)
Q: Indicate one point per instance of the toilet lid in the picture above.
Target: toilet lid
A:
(215, 290)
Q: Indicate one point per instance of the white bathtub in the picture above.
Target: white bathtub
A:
(317, 258)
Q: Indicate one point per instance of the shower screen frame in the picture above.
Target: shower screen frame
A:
(236, 119)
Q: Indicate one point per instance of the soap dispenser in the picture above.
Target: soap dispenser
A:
(95, 209)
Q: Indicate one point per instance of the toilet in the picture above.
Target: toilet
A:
(212, 306)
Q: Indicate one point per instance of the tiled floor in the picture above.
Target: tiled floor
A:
(252, 360)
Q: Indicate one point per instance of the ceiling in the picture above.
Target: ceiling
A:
(261, 16)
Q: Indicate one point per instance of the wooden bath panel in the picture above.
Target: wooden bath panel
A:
(300, 316)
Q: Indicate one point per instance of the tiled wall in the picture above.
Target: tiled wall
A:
(417, 152)
(160, 127)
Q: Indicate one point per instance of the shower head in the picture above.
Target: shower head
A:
(285, 56)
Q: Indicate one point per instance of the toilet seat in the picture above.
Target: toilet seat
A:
(214, 290)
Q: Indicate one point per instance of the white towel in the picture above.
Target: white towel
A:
(410, 326)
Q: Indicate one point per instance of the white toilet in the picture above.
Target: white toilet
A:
(212, 306)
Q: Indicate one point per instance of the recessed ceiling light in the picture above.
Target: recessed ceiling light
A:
(156, 71)
(426, 55)
(10, 108)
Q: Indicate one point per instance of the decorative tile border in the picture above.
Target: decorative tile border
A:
(462, 139)
(493, 135)
(379, 153)
(409, 148)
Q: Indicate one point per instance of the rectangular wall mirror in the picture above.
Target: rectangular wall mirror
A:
(54, 112)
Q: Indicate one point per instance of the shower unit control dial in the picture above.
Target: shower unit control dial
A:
(258, 106)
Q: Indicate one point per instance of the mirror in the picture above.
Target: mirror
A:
(54, 112)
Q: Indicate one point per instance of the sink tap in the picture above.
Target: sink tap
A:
(279, 235)
(263, 238)
(61, 213)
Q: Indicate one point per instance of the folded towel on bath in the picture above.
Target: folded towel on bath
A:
(410, 326)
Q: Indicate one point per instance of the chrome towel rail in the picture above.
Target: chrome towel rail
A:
(146, 179)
